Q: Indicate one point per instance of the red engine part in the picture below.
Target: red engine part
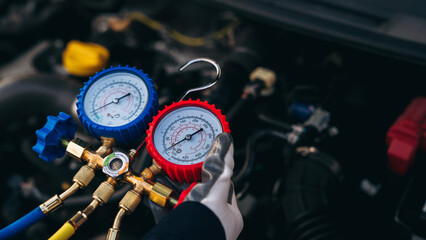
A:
(406, 136)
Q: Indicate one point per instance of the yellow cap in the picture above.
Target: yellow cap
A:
(84, 59)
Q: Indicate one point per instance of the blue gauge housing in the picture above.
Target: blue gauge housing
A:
(129, 132)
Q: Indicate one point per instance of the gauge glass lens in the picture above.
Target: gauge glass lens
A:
(115, 164)
(184, 136)
(116, 99)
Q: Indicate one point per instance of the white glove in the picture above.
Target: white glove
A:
(216, 190)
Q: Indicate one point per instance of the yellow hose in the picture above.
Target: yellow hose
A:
(65, 232)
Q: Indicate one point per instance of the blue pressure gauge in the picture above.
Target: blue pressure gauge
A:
(118, 102)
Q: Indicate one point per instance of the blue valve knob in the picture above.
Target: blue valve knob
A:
(49, 137)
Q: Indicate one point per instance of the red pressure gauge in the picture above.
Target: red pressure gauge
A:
(181, 135)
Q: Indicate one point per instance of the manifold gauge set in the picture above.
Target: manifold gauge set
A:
(121, 102)
(120, 106)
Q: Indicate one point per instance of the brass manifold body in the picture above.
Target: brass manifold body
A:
(78, 150)
(141, 183)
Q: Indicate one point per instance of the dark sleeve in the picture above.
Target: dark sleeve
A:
(189, 221)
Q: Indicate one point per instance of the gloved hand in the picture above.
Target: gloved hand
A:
(206, 206)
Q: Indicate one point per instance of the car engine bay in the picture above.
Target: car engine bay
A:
(328, 135)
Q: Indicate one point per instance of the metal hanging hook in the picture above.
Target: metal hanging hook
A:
(208, 60)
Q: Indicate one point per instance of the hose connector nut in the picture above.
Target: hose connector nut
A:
(130, 201)
(78, 219)
(147, 174)
(160, 194)
(103, 193)
(76, 148)
(51, 205)
(150, 172)
(107, 144)
(84, 176)
(113, 234)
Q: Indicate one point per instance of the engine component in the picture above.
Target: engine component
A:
(118, 102)
(262, 82)
(318, 120)
(239, 177)
(159, 37)
(237, 67)
(406, 136)
(267, 77)
(311, 128)
(302, 110)
(84, 59)
(311, 183)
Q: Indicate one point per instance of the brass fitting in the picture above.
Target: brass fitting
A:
(104, 192)
(76, 148)
(138, 183)
(155, 168)
(160, 194)
(56, 201)
(157, 192)
(105, 149)
(132, 154)
(130, 201)
(150, 172)
(51, 205)
(81, 216)
(84, 176)
(78, 219)
(113, 234)
(147, 174)
(70, 191)
(93, 160)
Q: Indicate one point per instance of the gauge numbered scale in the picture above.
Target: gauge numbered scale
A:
(181, 135)
(118, 102)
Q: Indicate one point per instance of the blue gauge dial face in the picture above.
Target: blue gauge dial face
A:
(116, 99)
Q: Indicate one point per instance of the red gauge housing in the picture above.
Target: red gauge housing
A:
(180, 173)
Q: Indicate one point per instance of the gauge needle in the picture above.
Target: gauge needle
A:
(115, 100)
(187, 137)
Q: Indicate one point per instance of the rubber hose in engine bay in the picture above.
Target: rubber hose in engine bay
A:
(311, 185)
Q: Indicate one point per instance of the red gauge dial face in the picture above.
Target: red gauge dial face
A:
(181, 135)
(185, 135)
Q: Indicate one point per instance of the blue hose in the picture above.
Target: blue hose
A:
(21, 224)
